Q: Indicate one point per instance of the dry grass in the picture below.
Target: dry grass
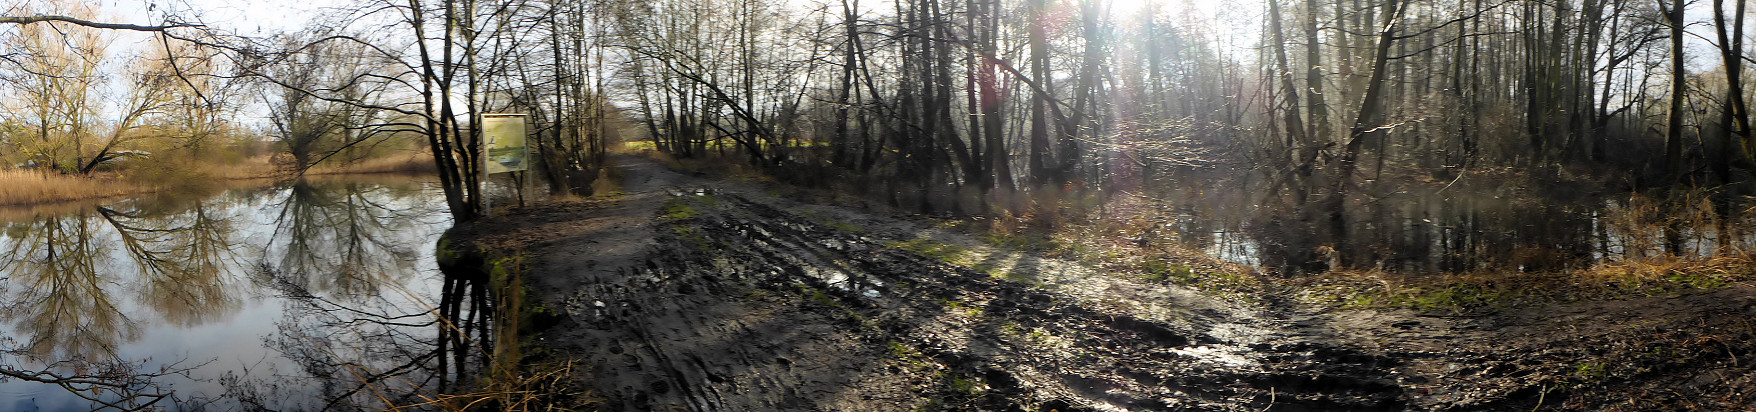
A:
(1489, 291)
(27, 187)
(547, 387)
(416, 162)
(39, 188)
(1671, 271)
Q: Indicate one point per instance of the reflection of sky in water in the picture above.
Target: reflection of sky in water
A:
(228, 337)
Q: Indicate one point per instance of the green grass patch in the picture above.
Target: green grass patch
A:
(1460, 297)
(907, 356)
(693, 238)
(845, 227)
(943, 252)
(991, 268)
(1591, 371)
(818, 297)
(1160, 271)
(899, 350)
(679, 209)
(1698, 280)
(755, 294)
(963, 385)
(958, 307)
(1023, 242)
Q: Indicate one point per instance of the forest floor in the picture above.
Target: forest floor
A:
(683, 292)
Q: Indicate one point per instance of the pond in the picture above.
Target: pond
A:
(302, 296)
(1461, 225)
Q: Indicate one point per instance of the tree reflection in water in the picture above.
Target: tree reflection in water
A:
(351, 323)
(340, 260)
(60, 295)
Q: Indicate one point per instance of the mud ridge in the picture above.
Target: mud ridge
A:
(772, 310)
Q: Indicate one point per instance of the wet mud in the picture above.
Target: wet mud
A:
(693, 294)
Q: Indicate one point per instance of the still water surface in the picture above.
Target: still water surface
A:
(1472, 226)
(303, 296)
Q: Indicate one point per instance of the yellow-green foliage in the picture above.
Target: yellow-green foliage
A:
(639, 145)
(1024, 242)
(943, 252)
(684, 207)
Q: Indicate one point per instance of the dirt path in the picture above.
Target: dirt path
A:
(691, 294)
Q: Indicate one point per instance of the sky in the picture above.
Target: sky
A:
(247, 17)
(264, 16)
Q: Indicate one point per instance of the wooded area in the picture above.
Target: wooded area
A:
(971, 107)
(913, 204)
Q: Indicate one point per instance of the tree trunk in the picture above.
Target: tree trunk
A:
(1734, 113)
(1674, 118)
(1365, 125)
(1039, 102)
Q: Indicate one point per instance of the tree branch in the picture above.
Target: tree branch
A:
(40, 18)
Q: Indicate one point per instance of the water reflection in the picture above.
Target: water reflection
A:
(332, 240)
(302, 296)
(64, 318)
(1471, 225)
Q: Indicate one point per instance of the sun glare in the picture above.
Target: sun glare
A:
(1130, 8)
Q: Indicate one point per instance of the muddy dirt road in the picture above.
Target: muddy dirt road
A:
(686, 293)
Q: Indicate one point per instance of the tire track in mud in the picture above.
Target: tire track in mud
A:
(749, 307)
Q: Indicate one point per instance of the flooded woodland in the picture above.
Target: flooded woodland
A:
(1041, 205)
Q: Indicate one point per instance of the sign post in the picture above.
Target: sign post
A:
(504, 149)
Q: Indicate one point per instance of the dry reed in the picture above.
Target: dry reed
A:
(413, 163)
(37, 188)
(24, 187)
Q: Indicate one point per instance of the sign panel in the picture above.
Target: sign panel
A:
(504, 135)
